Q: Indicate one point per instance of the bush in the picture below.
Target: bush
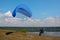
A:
(21, 30)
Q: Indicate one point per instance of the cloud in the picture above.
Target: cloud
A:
(52, 21)
(1, 15)
(8, 14)
(6, 19)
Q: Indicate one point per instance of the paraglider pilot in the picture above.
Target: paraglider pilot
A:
(41, 32)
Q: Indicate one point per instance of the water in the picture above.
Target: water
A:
(34, 29)
(57, 34)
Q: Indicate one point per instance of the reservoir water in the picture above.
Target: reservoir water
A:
(47, 33)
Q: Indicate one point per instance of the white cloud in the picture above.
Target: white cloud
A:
(8, 20)
(8, 14)
(52, 21)
(1, 15)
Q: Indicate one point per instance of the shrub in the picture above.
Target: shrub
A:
(21, 30)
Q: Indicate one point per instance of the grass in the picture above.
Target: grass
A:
(18, 35)
(21, 30)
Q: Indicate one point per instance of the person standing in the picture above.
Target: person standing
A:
(41, 32)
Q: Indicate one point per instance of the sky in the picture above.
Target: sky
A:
(44, 13)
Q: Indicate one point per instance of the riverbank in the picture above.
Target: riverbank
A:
(24, 36)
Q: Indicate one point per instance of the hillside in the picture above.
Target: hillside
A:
(23, 36)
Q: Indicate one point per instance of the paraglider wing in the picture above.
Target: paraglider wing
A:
(14, 13)
(22, 9)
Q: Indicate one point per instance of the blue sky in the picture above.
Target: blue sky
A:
(40, 8)
(44, 13)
